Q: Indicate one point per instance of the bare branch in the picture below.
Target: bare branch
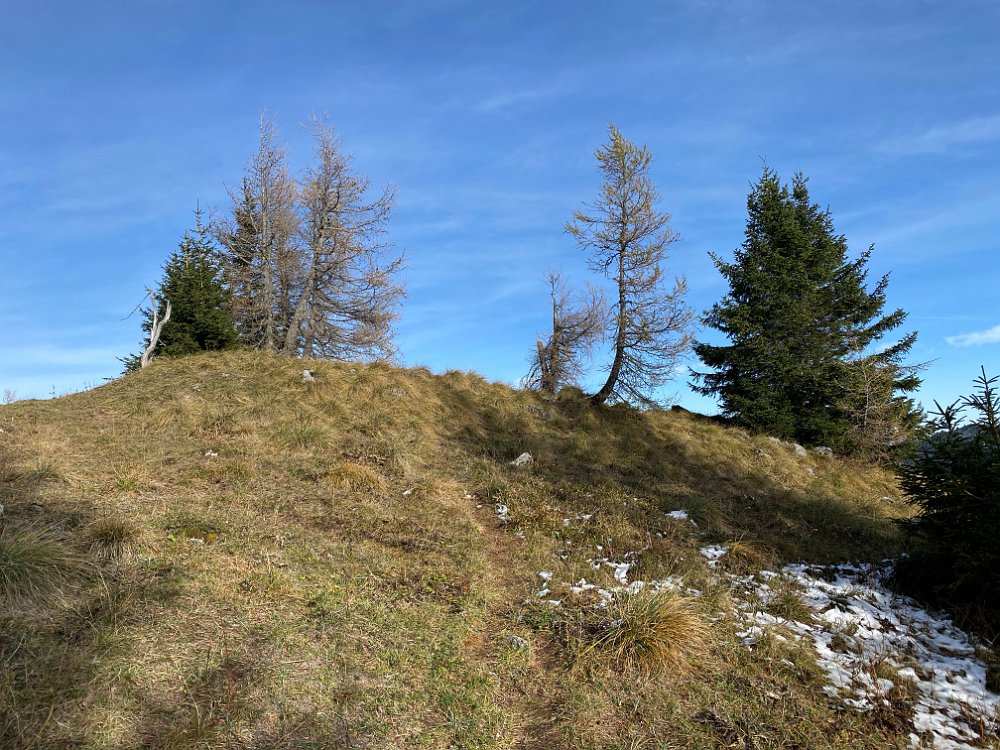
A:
(155, 329)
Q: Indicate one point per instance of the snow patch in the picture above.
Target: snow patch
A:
(869, 640)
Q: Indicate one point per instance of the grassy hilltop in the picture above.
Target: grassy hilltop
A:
(211, 552)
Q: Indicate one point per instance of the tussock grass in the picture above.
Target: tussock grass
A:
(651, 631)
(36, 566)
(356, 477)
(787, 603)
(129, 478)
(114, 538)
(301, 433)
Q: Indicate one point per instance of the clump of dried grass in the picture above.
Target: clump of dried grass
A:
(647, 631)
(356, 477)
(35, 565)
(115, 539)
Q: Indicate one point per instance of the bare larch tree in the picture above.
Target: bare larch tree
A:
(348, 297)
(308, 260)
(628, 239)
(577, 325)
(261, 264)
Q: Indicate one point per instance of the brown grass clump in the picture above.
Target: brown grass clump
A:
(747, 557)
(646, 631)
(357, 478)
(787, 604)
(129, 479)
(115, 539)
(35, 566)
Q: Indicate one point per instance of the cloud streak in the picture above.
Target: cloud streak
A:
(989, 336)
(941, 139)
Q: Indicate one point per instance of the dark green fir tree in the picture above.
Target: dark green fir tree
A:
(803, 360)
(201, 318)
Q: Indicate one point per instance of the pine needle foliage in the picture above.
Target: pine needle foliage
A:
(201, 317)
(797, 315)
(627, 237)
(955, 481)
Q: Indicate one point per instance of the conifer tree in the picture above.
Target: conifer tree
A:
(954, 479)
(799, 318)
(628, 238)
(201, 318)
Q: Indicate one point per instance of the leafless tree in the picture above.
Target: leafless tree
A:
(628, 240)
(348, 297)
(260, 261)
(577, 325)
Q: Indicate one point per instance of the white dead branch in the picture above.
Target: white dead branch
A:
(155, 329)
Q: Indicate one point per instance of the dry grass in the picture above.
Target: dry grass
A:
(334, 574)
(115, 539)
(36, 566)
(357, 478)
(652, 631)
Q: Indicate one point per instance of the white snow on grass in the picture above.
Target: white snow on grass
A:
(713, 553)
(869, 641)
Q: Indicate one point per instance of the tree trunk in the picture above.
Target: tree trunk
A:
(616, 366)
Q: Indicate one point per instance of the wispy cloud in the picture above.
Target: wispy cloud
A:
(989, 336)
(942, 138)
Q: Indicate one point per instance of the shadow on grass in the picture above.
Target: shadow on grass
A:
(668, 457)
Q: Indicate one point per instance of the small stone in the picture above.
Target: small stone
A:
(210, 454)
(35, 507)
(799, 450)
(307, 376)
(1, 509)
(761, 453)
(524, 458)
(822, 450)
(407, 493)
(517, 641)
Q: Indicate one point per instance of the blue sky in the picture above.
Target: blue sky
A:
(116, 119)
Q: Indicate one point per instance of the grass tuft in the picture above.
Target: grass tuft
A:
(35, 566)
(302, 433)
(114, 539)
(357, 478)
(129, 479)
(647, 631)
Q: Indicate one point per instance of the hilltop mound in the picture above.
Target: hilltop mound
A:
(234, 557)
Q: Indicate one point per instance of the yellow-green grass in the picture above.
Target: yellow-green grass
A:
(320, 564)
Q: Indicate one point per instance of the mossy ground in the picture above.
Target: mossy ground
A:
(321, 565)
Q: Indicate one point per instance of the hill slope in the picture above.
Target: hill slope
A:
(238, 558)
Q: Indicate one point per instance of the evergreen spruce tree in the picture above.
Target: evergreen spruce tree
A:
(800, 320)
(202, 317)
(954, 478)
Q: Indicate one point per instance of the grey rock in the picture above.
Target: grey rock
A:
(822, 450)
(799, 450)
(307, 376)
(524, 458)
(517, 641)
